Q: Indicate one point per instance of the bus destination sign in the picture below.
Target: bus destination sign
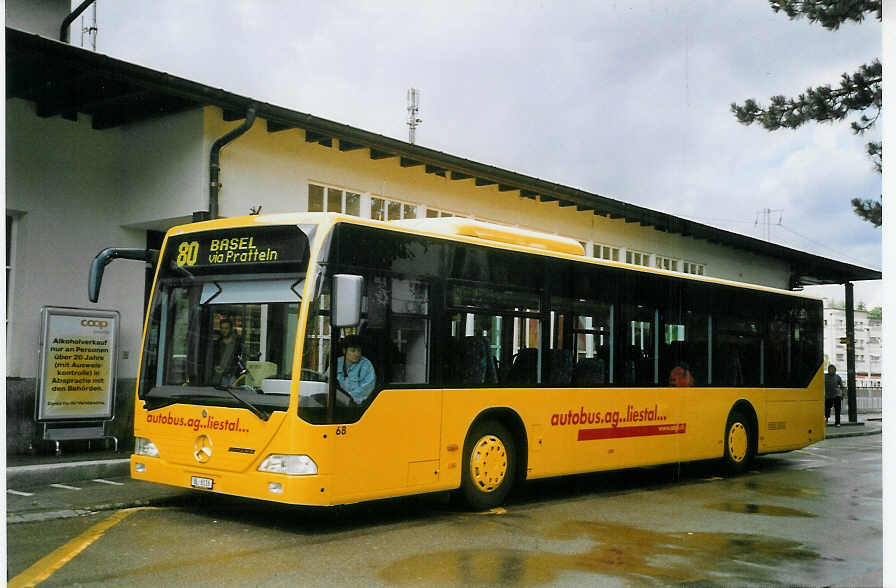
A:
(228, 249)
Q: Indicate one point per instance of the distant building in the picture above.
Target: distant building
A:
(868, 342)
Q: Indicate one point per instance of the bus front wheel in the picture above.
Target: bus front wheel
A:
(738, 442)
(489, 465)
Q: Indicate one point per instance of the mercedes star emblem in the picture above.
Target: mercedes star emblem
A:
(202, 449)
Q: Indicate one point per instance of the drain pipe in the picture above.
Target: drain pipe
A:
(67, 22)
(214, 169)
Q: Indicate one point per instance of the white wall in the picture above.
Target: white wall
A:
(43, 17)
(65, 179)
(164, 167)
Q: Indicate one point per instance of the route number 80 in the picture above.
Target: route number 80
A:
(187, 253)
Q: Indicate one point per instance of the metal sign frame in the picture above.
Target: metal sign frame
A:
(84, 336)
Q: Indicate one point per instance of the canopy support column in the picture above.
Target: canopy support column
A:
(850, 354)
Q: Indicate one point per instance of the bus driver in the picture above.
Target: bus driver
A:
(354, 372)
(227, 348)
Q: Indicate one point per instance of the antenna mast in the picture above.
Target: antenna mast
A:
(89, 28)
(766, 216)
(413, 112)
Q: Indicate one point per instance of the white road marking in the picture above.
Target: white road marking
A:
(17, 493)
(102, 481)
(64, 486)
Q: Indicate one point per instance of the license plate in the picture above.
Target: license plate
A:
(204, 483)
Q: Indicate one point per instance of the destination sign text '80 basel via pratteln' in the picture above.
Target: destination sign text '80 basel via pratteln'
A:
(271, 248)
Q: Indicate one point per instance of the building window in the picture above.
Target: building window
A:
(689, 267)
(327, 199)
(606, 252)
(438, 213)
(637, 258)
(666, 263)
(385, 209)
(840, 357)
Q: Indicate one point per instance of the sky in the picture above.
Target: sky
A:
(629, 100)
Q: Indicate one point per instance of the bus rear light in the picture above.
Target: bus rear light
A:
(143, 446)
(292, 465)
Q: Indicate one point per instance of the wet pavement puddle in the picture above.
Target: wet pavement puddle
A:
(631, 555)
(783, 491)
(760, 509)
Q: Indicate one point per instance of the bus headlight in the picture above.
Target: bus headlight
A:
(143, 446)
(292, 465)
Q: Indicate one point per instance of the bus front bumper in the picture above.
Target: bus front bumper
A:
(309, 490)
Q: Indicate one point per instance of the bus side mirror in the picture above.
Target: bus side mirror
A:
(347, 293)
(104, 257)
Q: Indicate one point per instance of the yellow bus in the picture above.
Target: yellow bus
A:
(491, 355)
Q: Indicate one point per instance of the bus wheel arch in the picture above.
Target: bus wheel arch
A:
(498, 437)
(740, 437)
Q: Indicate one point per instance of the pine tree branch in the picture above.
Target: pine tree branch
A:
(869, 210)
(828, 13)
(876, 153)
(858, 92)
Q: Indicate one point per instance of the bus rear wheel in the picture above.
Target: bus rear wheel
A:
(739, 443)
(489, 465)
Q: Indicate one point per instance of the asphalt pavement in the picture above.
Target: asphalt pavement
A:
(44, 487)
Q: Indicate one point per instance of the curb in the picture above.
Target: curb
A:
(860, 432)
(49, 473)
(67, 513)
(855, 434)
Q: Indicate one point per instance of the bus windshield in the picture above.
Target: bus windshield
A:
(219, 335)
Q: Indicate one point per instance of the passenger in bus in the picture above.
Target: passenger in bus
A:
(354, 372)
(228, 349)
(680, 376)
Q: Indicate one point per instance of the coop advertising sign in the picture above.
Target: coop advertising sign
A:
(78, 367)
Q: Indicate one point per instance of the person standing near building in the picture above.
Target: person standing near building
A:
(833, 392)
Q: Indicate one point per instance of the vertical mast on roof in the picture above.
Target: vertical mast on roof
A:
(413, 111)
(89, 28)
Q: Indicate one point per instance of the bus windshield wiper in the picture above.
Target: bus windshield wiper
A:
(254, 409)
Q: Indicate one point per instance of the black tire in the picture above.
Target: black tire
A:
(739, 442)
(489, 465)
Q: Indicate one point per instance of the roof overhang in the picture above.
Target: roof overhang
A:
(63, 80)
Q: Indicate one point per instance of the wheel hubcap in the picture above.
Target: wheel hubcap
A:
(737, 442)
(488, 463)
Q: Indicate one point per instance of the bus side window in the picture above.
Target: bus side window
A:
(470, 349)
(409, 327)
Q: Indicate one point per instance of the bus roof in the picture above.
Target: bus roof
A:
(472, 231)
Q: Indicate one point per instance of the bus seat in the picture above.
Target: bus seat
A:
(561, 367)
(475, 365)
(590, 371)
(258, 371)
(524, 369)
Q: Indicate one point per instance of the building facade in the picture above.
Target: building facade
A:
(868, 343)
